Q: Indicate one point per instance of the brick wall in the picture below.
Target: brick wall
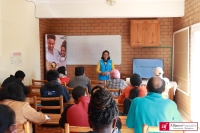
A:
(44, 28)
(78, 27)
(192, 16)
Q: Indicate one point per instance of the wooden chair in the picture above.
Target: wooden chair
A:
(124, 128)
(63, 83)
(39, 82)
(27, 127)
(127, 130)
(34, 90)
(116, 91)
(41, 129)
(71, 101)
(147, 129)
(98, 82)
(78, 129)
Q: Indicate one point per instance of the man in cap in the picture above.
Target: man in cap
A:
(115, 82)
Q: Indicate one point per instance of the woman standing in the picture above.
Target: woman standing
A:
(104, 66)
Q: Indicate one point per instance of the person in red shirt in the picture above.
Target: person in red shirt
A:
(133, 90)
(62, 75)
(77, 114)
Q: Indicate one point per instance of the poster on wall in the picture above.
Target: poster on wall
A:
(16, 59)
(55, 51)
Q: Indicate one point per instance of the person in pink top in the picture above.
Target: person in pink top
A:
(133, 90)
(77, 114)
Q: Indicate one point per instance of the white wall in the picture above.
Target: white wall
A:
(20, 33)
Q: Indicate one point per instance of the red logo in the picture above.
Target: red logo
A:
(164, 126)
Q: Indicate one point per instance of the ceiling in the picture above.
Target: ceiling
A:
(104, 9)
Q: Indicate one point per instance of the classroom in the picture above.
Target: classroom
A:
(24, 24)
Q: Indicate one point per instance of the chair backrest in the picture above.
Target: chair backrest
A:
(123, 119)
(146, 129)
(118, 91)
(38, 82)
(27, 127)
(69, 128)
(113, 90)
(34, 90)
(127, 130)
(98, 82)
(49, 99)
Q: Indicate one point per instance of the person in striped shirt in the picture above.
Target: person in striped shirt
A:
(115, 82)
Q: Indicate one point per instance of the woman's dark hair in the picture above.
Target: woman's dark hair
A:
(105, 52)
(12, 91)
(52, 75)
(102, 108)
(135, 80)
(61, 70)
(7, 117)
(77, 92)
(79, 71)
(64, 43)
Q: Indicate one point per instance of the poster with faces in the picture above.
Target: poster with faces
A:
(55, 51)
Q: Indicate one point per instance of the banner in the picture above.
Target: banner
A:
(55, 51)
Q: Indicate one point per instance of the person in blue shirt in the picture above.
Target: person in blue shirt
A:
(153, 108)
(104, 66)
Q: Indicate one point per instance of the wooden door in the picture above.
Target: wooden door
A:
(137, 29)
(152, 33)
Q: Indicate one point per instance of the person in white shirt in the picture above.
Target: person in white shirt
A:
(158, 71)
(52, 54)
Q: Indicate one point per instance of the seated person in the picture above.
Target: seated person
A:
(53, 89)
(62, 75)
(76, 115)
(135, 81)
(115, 82)
(19, 76)
(12, 95)
(7, 119)
(102, 111)
(158, 71)
(80, 79)
(152, 108)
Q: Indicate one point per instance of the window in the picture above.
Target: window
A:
(195, 73)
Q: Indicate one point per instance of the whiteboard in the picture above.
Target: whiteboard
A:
(87, 50)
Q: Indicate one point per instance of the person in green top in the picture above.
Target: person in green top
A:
(153, 108)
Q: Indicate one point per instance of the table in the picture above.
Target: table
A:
(54, 119)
